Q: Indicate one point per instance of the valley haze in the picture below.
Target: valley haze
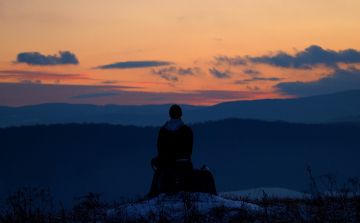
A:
(337, 107)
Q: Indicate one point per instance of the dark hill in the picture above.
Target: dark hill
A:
(73, 159)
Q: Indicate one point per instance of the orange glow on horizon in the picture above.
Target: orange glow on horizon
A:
(181, 39)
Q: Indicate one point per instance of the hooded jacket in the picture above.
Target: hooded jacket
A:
(175, 140)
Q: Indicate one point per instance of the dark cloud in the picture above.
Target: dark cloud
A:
(255, 88)
(257, 79)
(35, 58)
(219, 74)
(93, 95)
(18, 94)
(134, 64)
(188, 71)
(264, 79)
(30, 81)
(239, 82)
(232, 61)
(311, 56)
(157, 99)
(171, 73)
(166, 73)
(340, 80)
(31, 75)
(109, 82)
(251, 72)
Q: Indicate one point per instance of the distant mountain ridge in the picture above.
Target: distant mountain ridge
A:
(322, 108)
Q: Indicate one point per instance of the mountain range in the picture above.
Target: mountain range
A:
(338, 107)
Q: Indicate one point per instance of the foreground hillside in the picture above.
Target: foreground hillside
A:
(343, 206)
(114, 160)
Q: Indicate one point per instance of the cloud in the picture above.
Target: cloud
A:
(31, 75)
(171, 73)
(232, 61)
(251, 72)
(310, 57)
(134, 64)
(35, 58)
(257, 79)
(188, 71)
(219, 74)
(30, 81)
(166, 73)
(339, 80)
(17, 94)
(264, 79)
(157, 99)
(239, 82)
(93, 95)
(109, 82)
(255, 88)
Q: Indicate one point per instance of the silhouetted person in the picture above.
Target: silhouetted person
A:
(174, 171)
(175, 140)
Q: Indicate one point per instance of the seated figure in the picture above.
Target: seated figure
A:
(175, 141)
(173, 167)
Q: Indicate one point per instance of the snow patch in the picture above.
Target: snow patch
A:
(258, 193)
(177, 207)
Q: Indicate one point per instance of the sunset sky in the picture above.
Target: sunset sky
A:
(200, 52)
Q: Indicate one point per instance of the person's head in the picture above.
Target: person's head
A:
(175, 112)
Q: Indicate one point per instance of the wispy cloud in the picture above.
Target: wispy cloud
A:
(40, 75)
(93, 95)
(171, 73)
(35, 58)
(30, 81)
(109, 82)
(251, 72)
(264, 79)
(17, 94)
(220, 74)
(257, 79)
(339, 80)
(232, 61)
(255, 88)
(157, 99)
(166, 73)
(310, 57)
(134, 64)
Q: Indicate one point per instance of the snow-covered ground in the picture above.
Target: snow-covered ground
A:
(239, 206)
(257, 193)
(177, 207)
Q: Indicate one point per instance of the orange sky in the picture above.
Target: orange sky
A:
(200, 52)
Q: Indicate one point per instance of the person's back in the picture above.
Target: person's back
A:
(174, 170)
(175, 139)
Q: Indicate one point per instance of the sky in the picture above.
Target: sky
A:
(199, 52)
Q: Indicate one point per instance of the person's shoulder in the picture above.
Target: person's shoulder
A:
(186, 128)
(163, 129)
